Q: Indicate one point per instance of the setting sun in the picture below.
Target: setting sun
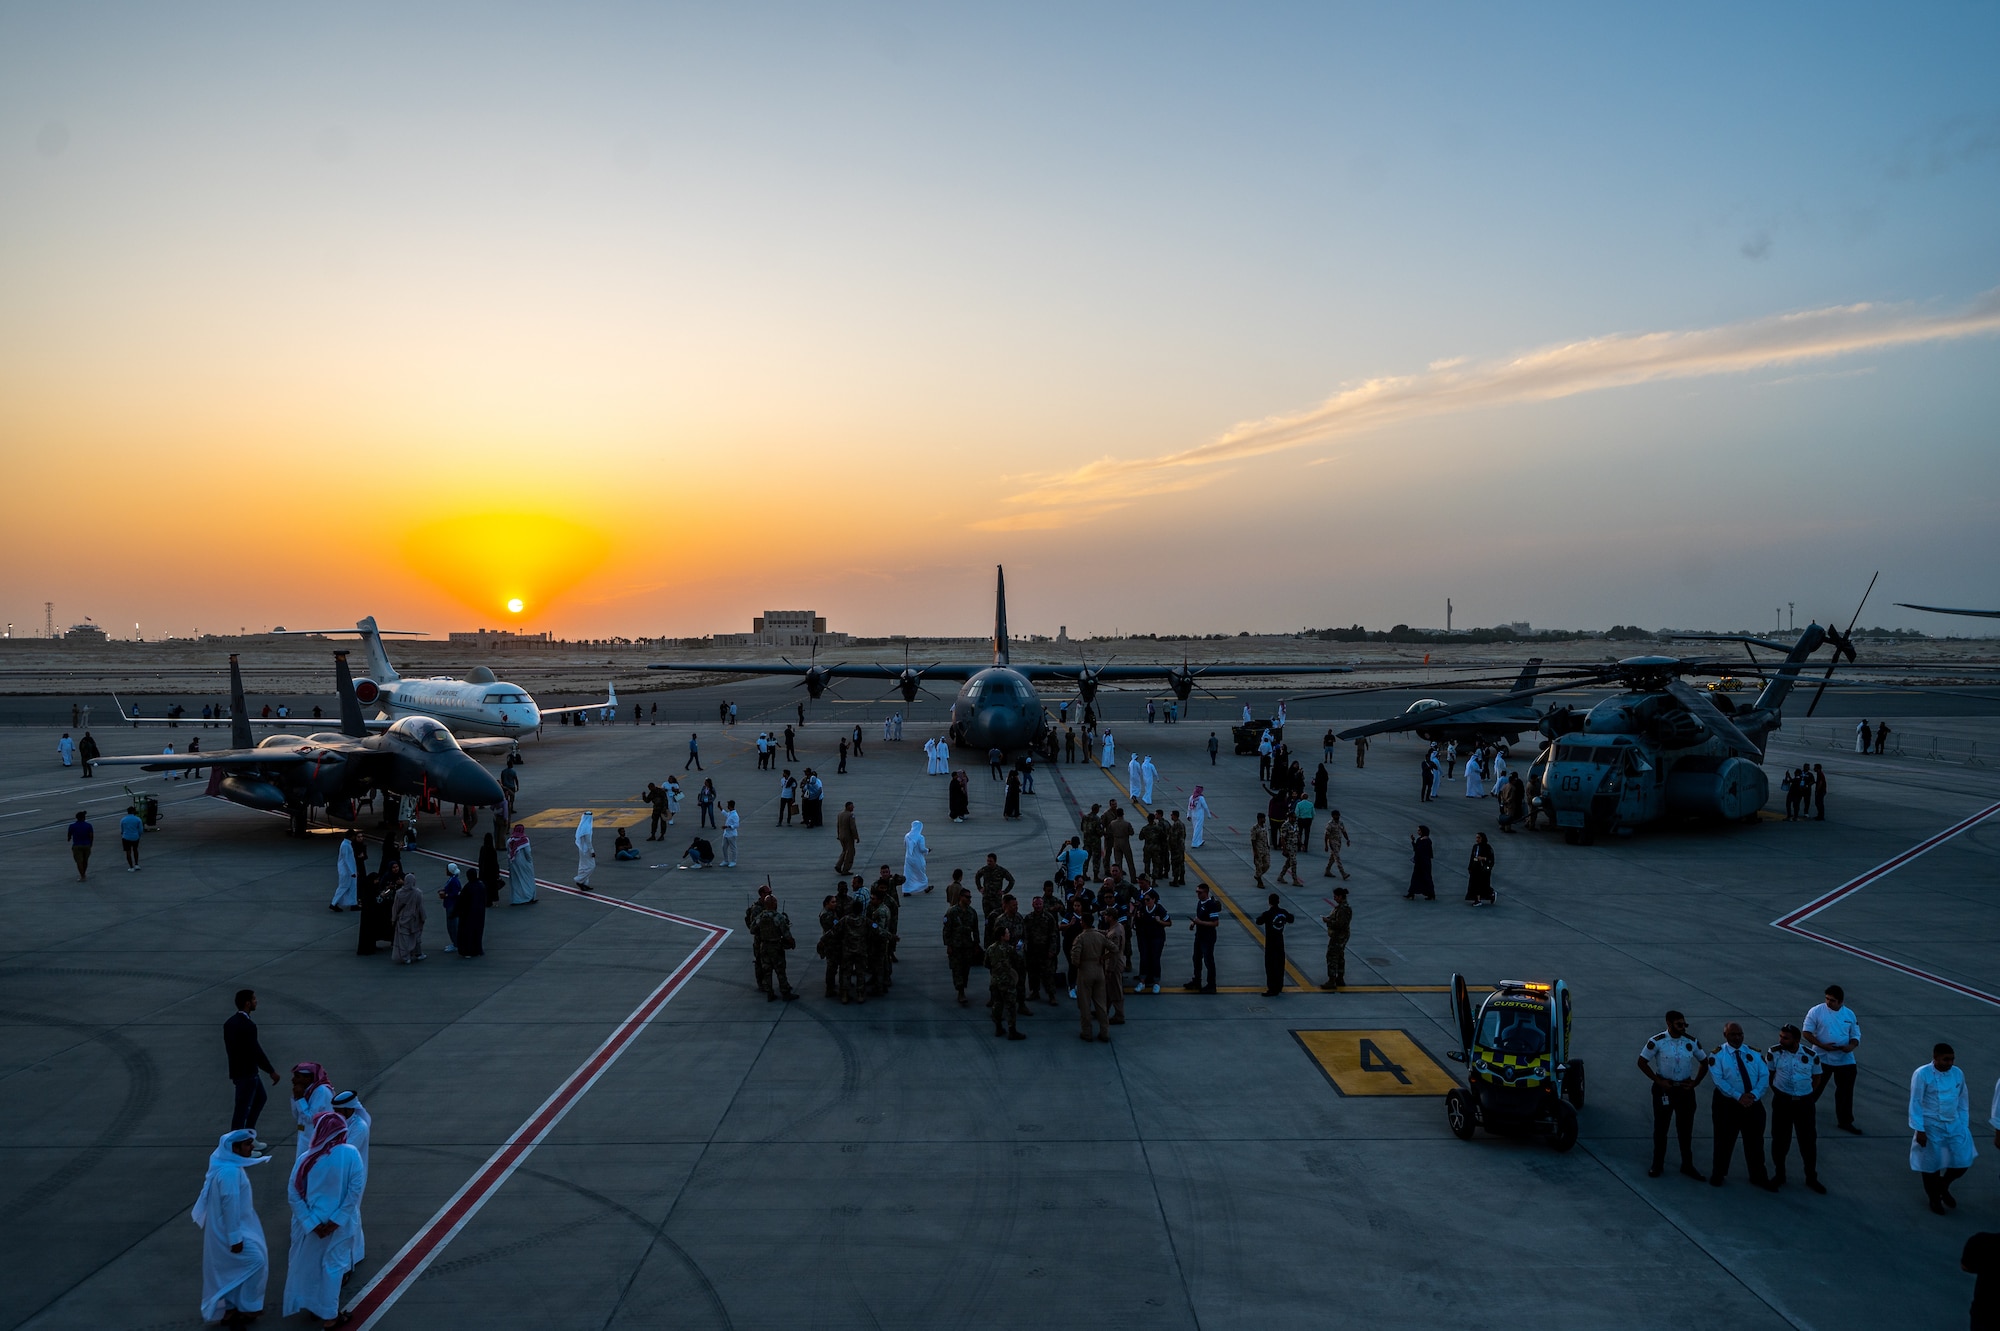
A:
(514, 606)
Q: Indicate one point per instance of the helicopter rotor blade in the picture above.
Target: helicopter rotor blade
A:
(1435, 714)
(1843, 645)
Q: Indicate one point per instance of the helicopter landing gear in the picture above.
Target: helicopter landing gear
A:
(1563, 1136)
(1458, 1114)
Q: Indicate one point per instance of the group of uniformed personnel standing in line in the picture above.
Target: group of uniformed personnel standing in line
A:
(1795, 1072)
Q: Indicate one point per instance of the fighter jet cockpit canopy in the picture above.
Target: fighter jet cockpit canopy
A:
(429, 735)
(1423, 705)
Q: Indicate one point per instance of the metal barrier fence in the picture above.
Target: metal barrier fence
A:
(1927, 748)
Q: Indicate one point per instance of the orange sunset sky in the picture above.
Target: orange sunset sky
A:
(1197, 322)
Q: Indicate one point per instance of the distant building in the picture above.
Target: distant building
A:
(86, 633)
(784, 628)
(501, 638)
(1518, 626)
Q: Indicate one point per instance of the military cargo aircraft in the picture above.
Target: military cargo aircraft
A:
(413, 755)
(1496, 720)
(997, 706)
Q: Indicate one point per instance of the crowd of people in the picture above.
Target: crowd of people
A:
(324, 1190)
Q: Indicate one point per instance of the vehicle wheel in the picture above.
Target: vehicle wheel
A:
(1458, 1113)
(1573, 1084)
(1564, 1135)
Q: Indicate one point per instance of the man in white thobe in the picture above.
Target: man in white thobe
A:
(66, 749)
(1246, 713)
(1109, 755)
(1474, 787)
(324, 1194)
(1197, 817)
(312, 1095)
(520, 867)
(916, 873)
(1941, 1146)
(1861, 736)
(360, 1125)
(235, 1262)
(1149, 774)
(586, 850)
(345, 877)
(1132, 780)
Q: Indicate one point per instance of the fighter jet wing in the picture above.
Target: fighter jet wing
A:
(494, 748)
(225, 758)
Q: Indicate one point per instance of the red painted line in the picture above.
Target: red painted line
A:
(393, 1280)
(1791, 923)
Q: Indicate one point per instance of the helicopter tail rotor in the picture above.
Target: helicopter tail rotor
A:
(1843, 645)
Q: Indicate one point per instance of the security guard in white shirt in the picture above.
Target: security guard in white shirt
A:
(1796, 1079)
(1741, 1077)
(1675, 1064)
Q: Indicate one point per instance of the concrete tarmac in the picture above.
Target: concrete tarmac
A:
(750, 1164)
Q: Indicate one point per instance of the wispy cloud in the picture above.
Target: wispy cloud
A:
(1617, 360)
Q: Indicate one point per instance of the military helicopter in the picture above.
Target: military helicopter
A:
(1661, 749)
(415, 755)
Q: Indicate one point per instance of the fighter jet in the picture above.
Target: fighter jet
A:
(997, 706)
(415, 755)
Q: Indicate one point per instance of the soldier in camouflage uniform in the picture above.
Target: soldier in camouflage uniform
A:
(1339, 925)
(1093, 842)
(773, 933)
(853, 940)
(881, 939)
(961, 939)
(1177, 839)
(750, 914)
(1003, 985)
(1149, 845)
(830, 913)
(994, 883)
(1042, 936)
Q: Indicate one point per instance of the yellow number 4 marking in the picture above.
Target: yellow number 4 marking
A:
(1375, 1063)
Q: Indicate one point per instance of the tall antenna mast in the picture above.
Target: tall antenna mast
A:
(48, 619)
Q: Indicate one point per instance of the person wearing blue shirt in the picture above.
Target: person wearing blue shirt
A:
(81, 836)
(130, 828)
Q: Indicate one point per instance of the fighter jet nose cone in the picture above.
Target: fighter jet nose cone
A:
(472, 784)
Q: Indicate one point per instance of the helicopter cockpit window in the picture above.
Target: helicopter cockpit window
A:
(1584, 753)
(1511, 1030)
